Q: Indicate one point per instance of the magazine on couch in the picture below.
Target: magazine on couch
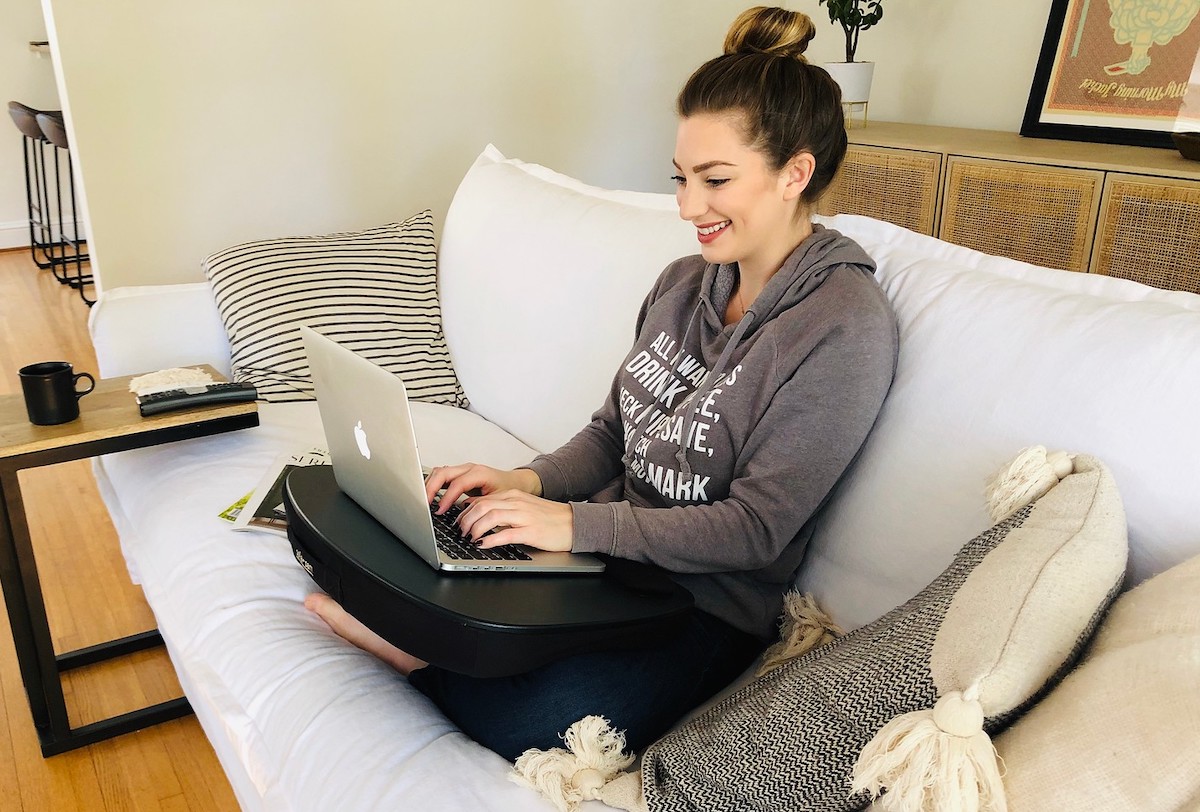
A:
(262, 508)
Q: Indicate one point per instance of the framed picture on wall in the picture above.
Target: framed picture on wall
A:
(1118, 72)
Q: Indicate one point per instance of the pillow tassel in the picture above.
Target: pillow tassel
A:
(805, 626)
(938, 760)
(625, 792)
(595, 755)
(1027, 478)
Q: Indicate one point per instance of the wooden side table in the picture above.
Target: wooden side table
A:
(109, 422)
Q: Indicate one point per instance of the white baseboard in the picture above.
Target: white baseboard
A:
(16, 234)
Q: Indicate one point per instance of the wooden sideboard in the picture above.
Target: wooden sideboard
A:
(1131, 212)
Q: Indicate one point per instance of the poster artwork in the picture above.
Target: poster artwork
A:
(1126, 63)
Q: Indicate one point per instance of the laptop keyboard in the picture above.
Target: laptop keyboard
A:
(452, 543)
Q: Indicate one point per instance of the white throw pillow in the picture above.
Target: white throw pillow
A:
(373, 291)
(645, 200)
(996, 355)
(541, 278)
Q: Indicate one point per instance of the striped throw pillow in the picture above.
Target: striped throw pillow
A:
(373, 291)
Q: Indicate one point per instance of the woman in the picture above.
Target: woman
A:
(757, 371)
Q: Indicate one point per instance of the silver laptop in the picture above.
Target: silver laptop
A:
(368, 426)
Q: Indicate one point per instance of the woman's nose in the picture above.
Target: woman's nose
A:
(691, 202)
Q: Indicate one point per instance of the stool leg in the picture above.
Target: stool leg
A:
(59, 259)
(80, 280)
(49, 246)
(77, 238)
(26, 151)
(42, 240)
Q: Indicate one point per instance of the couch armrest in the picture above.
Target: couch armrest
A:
(142, 329)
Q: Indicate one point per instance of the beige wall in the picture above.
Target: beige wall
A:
(960, 64)
(198, 125)
(28, 78)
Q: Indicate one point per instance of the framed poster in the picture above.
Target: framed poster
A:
(1117, 71)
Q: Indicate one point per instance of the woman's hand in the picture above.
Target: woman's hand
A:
(459, 479)
(522, 518)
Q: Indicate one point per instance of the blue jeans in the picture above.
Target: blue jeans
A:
(640, 691)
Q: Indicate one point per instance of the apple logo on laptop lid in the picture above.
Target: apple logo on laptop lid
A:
(360, 437)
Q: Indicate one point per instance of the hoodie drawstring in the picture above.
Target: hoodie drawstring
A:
(627, 457)
(713, 376)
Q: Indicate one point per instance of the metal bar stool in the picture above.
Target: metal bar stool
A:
(42, 245)
(72, 255)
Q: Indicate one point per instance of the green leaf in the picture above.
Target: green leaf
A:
(854, 16)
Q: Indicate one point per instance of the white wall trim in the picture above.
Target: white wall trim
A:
(14, 234)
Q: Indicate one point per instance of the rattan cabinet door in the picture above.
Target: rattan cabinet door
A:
(1039, 214)
(896, 185)
(1150, 232)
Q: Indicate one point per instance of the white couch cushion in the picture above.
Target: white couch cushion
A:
(149, 327)
(541, 280)
(316, 723)
(997, 355)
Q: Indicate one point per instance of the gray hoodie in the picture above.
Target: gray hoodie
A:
(717, 445)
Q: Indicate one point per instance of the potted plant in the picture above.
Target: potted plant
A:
(854, 16)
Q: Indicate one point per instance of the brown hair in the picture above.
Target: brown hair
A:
(786, 105)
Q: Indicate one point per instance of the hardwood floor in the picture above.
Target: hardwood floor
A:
(89, 598)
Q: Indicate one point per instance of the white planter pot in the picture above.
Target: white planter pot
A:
(854, 78)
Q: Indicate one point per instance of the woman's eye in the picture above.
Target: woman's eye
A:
(679, 181)
(715, 182)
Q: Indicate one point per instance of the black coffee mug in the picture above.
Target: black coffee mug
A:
(51, 393)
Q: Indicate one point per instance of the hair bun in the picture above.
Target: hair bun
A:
(775, 31)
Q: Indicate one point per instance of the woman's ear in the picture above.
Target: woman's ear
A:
(798, 174)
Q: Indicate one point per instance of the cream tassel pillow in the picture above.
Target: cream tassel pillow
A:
(939, 758)
(904, 706)
(1122, 731)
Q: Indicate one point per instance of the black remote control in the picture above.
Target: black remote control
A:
(192, 396)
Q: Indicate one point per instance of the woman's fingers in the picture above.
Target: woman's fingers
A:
(480, 514)
(439, 478)
(521, 517)
(461, 479)
(494, 518)
(457, 480)
(506, 535)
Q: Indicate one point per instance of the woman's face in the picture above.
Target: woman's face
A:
(743, 210)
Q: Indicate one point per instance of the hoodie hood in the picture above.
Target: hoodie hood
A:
(805, 269)
(801, 273)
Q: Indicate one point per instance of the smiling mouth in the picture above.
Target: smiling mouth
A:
(713, 229)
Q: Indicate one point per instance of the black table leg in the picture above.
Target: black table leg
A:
(40, 667)
(27, 612)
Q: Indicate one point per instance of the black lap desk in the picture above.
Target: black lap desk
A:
(481, 624)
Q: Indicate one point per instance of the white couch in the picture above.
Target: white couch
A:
(540, 280)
